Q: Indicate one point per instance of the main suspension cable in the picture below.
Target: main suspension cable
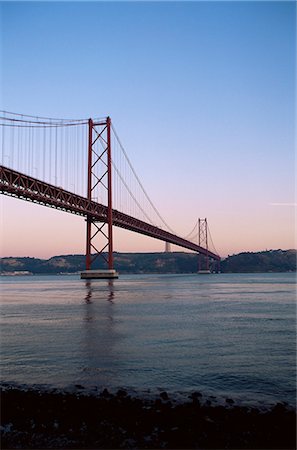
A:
(140, 184)
(212, 240)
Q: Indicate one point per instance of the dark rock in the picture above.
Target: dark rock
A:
(195, 395)
(105, 393)
(164, 395)
(122, 393)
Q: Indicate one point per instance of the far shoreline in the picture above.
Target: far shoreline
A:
(268, 261)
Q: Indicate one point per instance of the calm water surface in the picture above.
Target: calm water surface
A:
(224, 335)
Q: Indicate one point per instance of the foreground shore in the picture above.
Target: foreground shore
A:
(39, 419)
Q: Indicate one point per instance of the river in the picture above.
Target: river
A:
(224, 335)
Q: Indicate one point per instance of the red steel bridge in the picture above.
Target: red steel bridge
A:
(81, 167)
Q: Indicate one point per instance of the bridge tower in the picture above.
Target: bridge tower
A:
(203, 260)
(99, 182)
(167, 247)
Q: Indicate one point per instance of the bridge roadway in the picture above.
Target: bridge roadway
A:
(19, 185)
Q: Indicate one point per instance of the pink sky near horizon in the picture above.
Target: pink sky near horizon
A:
(37, 231)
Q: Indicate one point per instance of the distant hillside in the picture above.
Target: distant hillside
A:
(268, 261)
(124, 263)
(175, 262)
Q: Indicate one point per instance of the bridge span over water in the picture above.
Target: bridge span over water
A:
(33, 142)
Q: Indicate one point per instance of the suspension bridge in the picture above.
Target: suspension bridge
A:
(81, 167)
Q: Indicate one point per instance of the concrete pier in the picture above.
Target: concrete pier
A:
(99, 274)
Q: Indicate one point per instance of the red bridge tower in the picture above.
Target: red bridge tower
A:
(99, 183)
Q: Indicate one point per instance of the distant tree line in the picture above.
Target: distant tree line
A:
(266, 261)
(175, 262)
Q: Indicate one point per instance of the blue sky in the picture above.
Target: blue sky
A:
(202, 95)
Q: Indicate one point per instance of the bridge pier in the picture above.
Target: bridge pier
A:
(99, 274)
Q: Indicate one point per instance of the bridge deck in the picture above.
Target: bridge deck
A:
(31, 189)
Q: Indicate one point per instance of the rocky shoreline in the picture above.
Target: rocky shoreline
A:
(34, 418)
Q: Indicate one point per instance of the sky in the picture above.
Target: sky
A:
(202, 95)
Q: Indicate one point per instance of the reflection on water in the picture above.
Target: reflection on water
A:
(90, 287)
(88, 296)
(231, 334)
(111, 290)
(99, 333)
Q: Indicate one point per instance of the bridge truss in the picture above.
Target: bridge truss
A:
(21, 186)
